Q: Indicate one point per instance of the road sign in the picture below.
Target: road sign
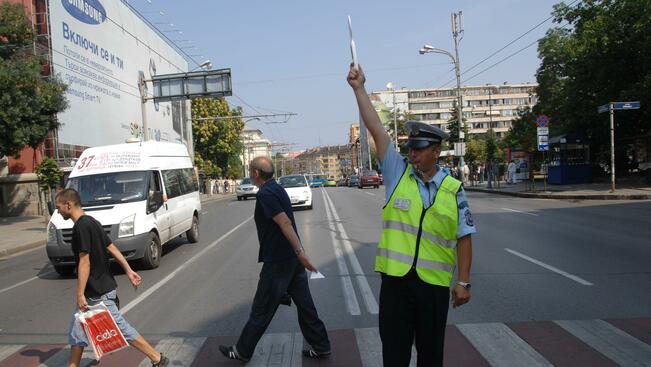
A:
(542, 121)
(459, 149)
(543, 143)
(542, 131)
(626, 105)
(635, 105)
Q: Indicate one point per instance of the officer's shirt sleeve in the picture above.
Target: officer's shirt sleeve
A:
(466, 225)
(393, 166)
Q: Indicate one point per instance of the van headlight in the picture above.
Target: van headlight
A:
(127, 226)
(51, 233)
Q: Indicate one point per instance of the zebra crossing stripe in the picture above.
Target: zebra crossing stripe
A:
(500, 346)
(180, 351)
(616, 344)
(62, 357)
(370, 347)
(7, 350)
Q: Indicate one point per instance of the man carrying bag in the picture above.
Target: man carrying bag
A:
(95, 283)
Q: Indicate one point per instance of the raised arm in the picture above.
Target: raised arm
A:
(356, 79)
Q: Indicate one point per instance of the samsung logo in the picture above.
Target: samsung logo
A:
(87, 11)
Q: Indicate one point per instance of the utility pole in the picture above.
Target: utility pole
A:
(457, 34)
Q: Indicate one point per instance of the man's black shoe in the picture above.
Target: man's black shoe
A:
(286, 300)
(164, 361)
(231, 353)
(311, 353)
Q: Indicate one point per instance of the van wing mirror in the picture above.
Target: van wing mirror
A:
(155, 200)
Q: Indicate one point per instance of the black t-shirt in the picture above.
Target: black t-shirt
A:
(271, 200)
(88, 236)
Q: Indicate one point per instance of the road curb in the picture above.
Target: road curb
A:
(562, 196)
(217, 198)
(20, 248)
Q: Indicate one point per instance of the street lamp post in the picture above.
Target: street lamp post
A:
(457, 30)
(395, 116)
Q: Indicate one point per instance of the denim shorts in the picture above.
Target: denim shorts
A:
(76, 334)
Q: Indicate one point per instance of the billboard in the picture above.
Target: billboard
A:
(98, 49)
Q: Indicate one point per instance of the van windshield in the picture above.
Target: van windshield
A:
(110, 188)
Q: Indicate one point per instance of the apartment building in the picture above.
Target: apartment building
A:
(484, 107)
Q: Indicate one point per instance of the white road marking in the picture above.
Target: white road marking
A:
(521, 212)
(7, 350)
(614, 343)
(23, 282)
(362, 282)
(369, 193)
(549, 267)
(162, 282)
(180, 351)
(500, 346)
(349, 291)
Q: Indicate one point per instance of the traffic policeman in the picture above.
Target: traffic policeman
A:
(427, 227)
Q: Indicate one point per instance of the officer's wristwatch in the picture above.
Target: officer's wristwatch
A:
(464, 284)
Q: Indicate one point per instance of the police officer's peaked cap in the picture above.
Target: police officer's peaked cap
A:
(422, 135)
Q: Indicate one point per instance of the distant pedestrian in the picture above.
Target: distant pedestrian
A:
(95, 283)
(511, 169)
(226, 186)
(283, 270)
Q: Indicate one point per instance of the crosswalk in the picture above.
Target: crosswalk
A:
(620, 342)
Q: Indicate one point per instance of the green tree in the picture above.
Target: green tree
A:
(522, 133)
(217, 141)
(453, 125)
(28, 102)
(602, 55)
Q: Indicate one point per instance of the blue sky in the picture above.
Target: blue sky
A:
(293, 56)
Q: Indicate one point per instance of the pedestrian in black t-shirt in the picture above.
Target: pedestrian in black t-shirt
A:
(283, 270)
(95, 283)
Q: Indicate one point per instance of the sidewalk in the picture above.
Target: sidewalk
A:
(25, 233)
(591, 191)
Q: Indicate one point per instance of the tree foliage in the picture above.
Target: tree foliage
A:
(49, 174)
(28, 101)
(522, 134)
(217, 142)
(453, 125)
(603, 54)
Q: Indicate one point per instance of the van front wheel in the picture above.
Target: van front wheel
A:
(193, 233)
(151, 259)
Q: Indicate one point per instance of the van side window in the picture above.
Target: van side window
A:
(154, 182)
(172, 184)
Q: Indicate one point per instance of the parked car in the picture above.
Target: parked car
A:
(246, 189)
(342, 182)
(144, 195)
(353, 181)
(369, 178)
(381, 179)
(330, 183)
(298, 190)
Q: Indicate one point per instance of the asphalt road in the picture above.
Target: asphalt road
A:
(533, 260)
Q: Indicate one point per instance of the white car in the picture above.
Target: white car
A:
(298, 190)
(246, 189)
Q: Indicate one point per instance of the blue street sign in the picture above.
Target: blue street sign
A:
(543, 147)
(626, 105)
(635, 105)
(604, 108)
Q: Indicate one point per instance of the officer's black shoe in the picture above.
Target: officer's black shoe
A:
(311, 353)
(286, 300)
(231, 353)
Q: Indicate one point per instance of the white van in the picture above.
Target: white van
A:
(144, 194)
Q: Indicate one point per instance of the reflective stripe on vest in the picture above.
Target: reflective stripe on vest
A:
(409, 231)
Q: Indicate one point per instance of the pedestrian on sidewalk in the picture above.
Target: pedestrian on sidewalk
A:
(427, 226)
(511, 172)
(283, 270)
(95, 283)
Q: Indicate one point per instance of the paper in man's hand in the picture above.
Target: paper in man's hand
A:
(353, 47)
(316, 275)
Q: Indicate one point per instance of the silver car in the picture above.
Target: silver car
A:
(246, 189)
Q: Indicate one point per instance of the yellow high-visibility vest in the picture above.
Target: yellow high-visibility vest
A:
(416, 237)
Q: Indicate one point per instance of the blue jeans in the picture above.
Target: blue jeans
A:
(76, 334)
(276, 279)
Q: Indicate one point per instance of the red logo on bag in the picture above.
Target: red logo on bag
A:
(108, 334)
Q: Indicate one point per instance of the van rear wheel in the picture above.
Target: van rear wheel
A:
(193, 233)
(151, 259)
